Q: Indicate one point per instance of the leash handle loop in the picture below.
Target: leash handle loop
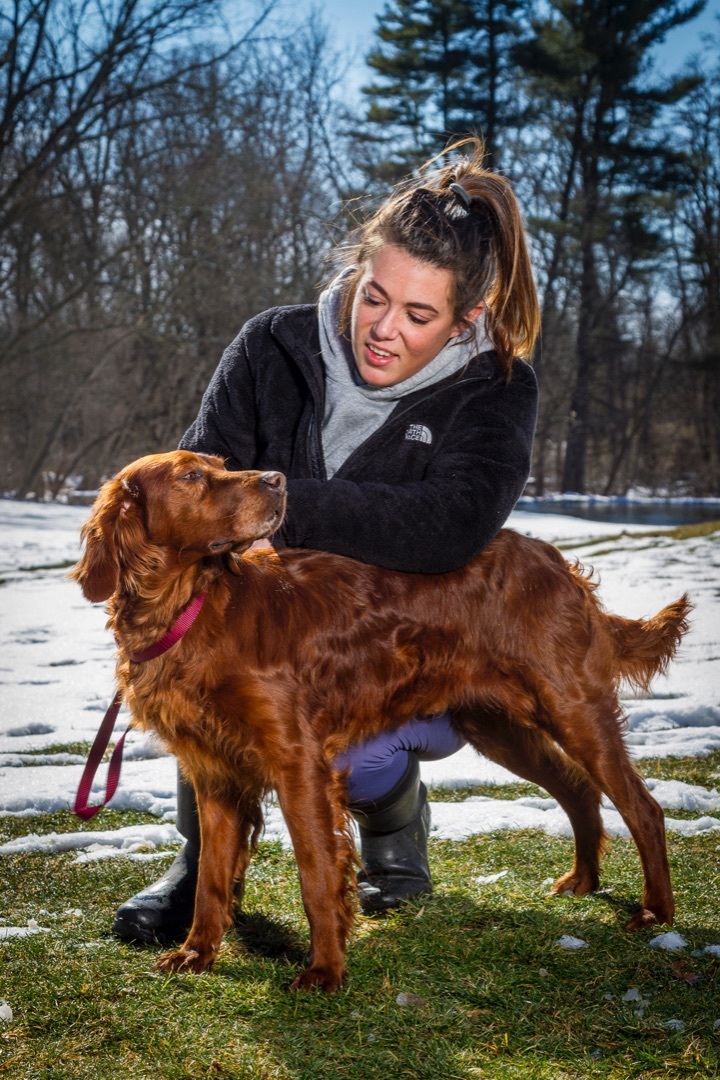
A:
(99, 746)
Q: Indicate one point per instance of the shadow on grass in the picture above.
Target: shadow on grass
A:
(454, 984)
(469, 982)
(260, 935)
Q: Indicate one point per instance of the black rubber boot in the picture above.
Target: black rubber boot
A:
(393, 846)
(164, 911)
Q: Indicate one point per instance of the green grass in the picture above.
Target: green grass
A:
(704, 772)
(494, 995)
(80, 748)
(610, 543)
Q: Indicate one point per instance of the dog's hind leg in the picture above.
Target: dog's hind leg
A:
(310, 797)
(590, 734)
(531, 755)
(224, 849)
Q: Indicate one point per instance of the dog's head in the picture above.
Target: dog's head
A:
(168, 511)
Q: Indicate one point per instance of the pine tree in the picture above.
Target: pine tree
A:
(696, 281)
(443, 68)
(591, 57)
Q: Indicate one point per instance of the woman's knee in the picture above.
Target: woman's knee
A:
(378, 765)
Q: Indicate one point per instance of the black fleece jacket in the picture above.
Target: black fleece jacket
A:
(425, 493)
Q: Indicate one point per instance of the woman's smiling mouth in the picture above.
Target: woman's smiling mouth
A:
(378, 356)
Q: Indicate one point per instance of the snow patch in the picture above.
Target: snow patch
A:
(671, 941)
(567, 941)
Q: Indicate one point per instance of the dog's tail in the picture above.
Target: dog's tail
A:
(645, 647)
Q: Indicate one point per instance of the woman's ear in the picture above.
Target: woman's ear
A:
(476, 311)
(469, 319)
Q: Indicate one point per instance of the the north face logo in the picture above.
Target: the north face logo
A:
(419, 433)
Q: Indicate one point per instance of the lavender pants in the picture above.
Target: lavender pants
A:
(377, 765)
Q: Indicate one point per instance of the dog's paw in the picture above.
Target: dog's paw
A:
(324, 978)
(576, 883)
(184, 960)
(645, 917)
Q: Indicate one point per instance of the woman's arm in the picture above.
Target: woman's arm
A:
(441, 522)
(431, 525)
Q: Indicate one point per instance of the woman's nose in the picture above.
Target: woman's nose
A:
(385, 326)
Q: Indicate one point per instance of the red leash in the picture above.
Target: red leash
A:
(81, 809)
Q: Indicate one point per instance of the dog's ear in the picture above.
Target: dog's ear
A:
(98, 570)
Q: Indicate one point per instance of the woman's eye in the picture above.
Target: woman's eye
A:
(417, 319)
(372, 300)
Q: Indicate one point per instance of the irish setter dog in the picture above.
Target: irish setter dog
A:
(296, 655)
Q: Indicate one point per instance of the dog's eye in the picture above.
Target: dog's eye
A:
(193, 475)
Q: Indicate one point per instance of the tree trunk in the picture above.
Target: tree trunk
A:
(573, 476)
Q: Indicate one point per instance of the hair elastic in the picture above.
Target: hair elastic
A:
(459, 190)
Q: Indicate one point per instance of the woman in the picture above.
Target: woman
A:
(403, 416)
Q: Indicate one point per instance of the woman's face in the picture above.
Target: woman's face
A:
(401, 316)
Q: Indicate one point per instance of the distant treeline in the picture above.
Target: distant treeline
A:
(163, 177)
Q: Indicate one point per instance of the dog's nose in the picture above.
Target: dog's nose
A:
(273, 480)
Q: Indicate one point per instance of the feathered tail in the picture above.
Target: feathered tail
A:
(645, 647)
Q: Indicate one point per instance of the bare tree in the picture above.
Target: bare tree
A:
(206, 204)
(71, 76)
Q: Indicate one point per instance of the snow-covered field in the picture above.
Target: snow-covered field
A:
(56, 674)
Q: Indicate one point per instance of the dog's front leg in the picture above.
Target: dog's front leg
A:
(222, 836)
(309, 796)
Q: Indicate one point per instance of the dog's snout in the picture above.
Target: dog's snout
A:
(274, 480)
